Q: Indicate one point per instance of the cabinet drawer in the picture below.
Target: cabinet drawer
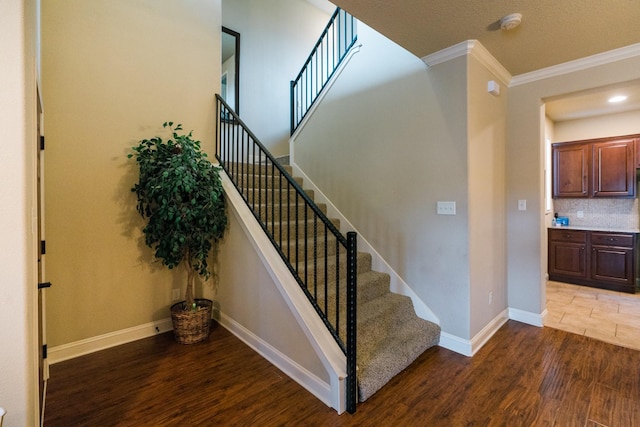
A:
(612, 239)
(574, 236)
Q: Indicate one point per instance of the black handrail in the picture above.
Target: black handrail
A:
(326, 56)
(321, 259)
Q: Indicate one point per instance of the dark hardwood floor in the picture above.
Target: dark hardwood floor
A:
(524, 376)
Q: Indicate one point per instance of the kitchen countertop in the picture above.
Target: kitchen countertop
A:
(588, 228)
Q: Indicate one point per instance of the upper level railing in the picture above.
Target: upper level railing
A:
(333, 45)
(321, 259)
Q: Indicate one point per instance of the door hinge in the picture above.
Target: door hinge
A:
(42, 142)
(44, 351)
(43, 247)
(44, 285)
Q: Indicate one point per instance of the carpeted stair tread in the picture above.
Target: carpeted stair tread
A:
(377, 366)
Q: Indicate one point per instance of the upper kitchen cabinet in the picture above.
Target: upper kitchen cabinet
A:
(614, 171)
(571, 169)
(601, 168)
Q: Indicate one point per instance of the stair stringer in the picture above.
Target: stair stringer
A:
(321, 340)
(397, 285)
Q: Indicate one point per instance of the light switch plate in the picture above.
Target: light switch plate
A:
(446, 208)
(522, 205)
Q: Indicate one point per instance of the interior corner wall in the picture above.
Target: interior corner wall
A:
(18, 214)
(526, 231)
(387, 142)
(276, 37)
(487, 123)
(113, 72)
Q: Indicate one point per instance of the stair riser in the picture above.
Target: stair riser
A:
(304, 230)
(363, 265)
(264, 181)
(289, 248)
(262, 169)
(267, 196)
(284, 214)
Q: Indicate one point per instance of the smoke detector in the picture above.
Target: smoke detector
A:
(510, 22)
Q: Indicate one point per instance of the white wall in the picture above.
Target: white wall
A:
(387, 142)
(18, 284)
(276, 37)
(526, 233)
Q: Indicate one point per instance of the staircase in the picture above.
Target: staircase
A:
(389, 334)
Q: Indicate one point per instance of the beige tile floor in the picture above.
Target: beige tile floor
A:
(605, 315)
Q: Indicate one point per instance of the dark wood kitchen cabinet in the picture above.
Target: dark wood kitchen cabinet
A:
(568, 253)
(613, 258)
(571, 170)
(614, 171)
(593, 258)
(600, 168)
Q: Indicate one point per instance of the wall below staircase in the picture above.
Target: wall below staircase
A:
(250, 304)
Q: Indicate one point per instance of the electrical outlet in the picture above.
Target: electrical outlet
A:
(490, 297)
(175, 294)
(580, 214)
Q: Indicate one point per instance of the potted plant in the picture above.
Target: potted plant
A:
(181, 197)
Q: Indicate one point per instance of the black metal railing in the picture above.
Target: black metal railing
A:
(332, 47)
(321, 259)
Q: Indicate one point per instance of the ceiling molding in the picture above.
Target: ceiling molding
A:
(490, 62)
(470, 47)
(626, 52)
(452, 52)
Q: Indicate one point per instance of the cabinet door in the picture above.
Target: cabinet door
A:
(570, 170)
(614, 169)
(612, 265)
(567, 259)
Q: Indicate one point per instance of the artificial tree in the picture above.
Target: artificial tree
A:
(180, 195)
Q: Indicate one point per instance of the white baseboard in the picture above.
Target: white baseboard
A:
(90, 345)
(470, 347)
(293, 370)
(534, 319)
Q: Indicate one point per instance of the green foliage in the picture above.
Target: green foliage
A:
(180, 195)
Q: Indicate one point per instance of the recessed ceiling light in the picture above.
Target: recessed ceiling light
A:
(617, 98)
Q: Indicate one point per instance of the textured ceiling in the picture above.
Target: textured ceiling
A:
(552, 31)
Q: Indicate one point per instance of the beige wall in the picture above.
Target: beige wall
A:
(388, 142)
(486, 163)
(113, 72)
(276, 37)
(18, 226)
(626, 123)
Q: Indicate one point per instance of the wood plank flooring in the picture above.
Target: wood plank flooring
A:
(524, 376)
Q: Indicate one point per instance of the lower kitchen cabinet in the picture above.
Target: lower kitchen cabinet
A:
(593, 258)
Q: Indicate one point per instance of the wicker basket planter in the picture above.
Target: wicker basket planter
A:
(189, 326)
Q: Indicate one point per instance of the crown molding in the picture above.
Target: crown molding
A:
(484, 56)
(578, 64)
(470, 47)
(449, 53)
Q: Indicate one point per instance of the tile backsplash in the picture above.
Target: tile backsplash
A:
(607, 213)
